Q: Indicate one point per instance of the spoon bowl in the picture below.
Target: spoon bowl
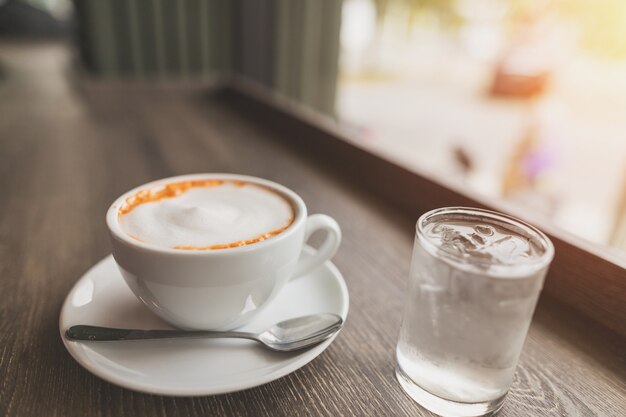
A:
(300, 332)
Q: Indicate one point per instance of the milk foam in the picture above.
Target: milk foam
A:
(208, 216)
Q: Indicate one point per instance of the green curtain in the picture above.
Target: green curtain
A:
(289, 46)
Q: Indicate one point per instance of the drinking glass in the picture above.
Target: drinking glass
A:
(475, 279)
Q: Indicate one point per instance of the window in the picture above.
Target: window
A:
(521, 101)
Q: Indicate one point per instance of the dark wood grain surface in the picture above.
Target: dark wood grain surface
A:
(67, 149)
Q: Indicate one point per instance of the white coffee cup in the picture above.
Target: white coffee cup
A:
(218, 289)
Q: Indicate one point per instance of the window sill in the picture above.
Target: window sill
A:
(586, 277)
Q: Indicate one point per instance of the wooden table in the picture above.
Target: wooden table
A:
(68, 148)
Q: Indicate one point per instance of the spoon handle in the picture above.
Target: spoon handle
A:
(108, 334)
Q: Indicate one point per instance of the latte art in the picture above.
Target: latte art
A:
(205, 214)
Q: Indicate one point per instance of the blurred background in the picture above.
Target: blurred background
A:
(522, 100)
(518, 100)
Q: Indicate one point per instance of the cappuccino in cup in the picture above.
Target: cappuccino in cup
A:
(205, 214)
(210, 251)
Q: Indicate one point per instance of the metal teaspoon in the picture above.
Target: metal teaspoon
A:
(293, 334)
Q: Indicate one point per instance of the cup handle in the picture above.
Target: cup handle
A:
(326, 250)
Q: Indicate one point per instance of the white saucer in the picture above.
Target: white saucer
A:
(191, 367)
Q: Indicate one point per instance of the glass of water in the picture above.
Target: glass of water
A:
(475, 279)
